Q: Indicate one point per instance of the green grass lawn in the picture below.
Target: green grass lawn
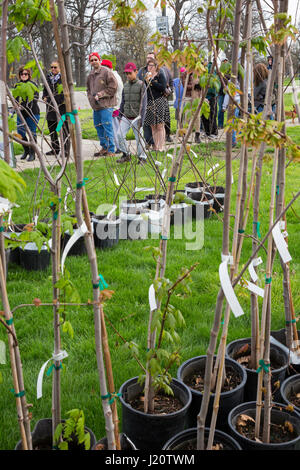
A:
(129, 270)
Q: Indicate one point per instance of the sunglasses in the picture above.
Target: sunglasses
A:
(94, 60)
(24, 73)
(54, 66)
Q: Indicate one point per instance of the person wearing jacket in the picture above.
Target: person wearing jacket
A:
(260, 79)
(210, 124)
(115, 115)
(157, 104)
(193, 92)
(55, 84)
(132, 112)
(101, 91)
(141, 76)
(30, 112)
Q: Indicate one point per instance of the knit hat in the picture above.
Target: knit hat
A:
(96, 54)
(182, 70)
(107, 63)
(130, 67)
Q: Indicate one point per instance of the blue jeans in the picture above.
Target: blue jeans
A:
(260, 108)
(31, 123)
(104, 128)
(220, 112)
(236, 114)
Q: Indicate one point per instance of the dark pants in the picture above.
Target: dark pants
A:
(210, 124)
(148, 135)
(52, 125)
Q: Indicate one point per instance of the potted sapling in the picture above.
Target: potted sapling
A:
(150, 418)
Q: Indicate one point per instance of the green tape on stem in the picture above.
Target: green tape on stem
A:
(288, 322)
(263, 366)
(18, 395)
(79, 185)
(172, 179)
(257, 229)
(2, 229)
(10, 321)
(268, 280)
(64, 117)
(240, 230)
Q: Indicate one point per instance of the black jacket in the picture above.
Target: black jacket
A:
(29, 108)
(156, 87)
(59, 98)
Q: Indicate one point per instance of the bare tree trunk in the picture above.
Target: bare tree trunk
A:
(3, 72)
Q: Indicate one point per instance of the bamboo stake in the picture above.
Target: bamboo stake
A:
(81, 197)
(265, 339)
(233, 268)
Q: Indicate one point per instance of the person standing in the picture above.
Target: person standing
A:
(55, 84)
(101, 91)
(168, 95)
(221, 96)
(156, 104)
(210, 124)
(192, 92)
(141, 76)
(30, 112)
(115, 115)
(270, 62)
(132, 112)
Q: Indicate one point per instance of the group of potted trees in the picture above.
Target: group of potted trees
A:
(219, 401)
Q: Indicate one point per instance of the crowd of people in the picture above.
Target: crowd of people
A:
(142, 104)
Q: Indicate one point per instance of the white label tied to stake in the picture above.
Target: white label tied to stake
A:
(138, 190)
(164, 173)
(76, 235)
(116, 179)
(58, 357)
(213, 168)
(152, 300)
(254, 288)
(281, 244)
(254, 262)
(228, 289)
(195, 155)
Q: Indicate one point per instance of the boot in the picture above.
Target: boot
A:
(31, 156)
(25, 154)
(197, 138)
(125, 158)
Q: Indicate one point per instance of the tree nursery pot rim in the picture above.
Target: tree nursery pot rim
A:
(274, 346)
(188, 431)
(252, 405)
(228, 359)
(155, 416)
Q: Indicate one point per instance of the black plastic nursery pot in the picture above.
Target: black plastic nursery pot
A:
(218, 197)
(42, 437)
(125, 442)
(228, 399)
(135, 206)
(277, 356)
(106, 232)
(187, 440)
(289, 390)
(77, 249)
(15, 253)
(133, 227)
(33, 260)
(151, 431)
(279, 416)
(180, 213)
(197, 186)
(280, 335)
(201, 199)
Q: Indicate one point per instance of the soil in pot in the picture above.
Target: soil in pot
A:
(150, 431)
(192, 371)
(163, 404)
(240, 351)
(187, 440)
(284, 429)
(196, 187)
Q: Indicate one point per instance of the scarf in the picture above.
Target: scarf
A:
(54, 78)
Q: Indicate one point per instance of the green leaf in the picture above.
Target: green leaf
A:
(67, 328)
(63, 445)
